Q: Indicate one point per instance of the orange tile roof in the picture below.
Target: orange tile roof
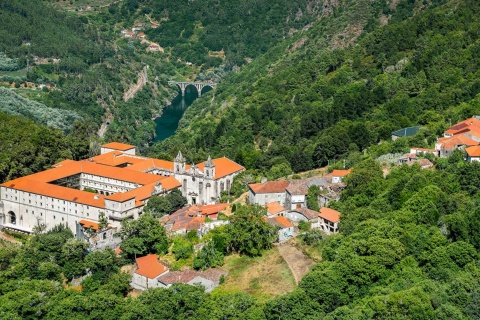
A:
(116, 158)
(464, 126)
(473, 151)
(329, 214)
(118, 146)
(148, 266)
(274, 207)
(91, 224)
(280, 221)
(213, 208)
(269, 186)
(340, 173)
(54, 191)
(457, 140)
(422, 149)
(62, 163)
(170, 183)
(223, 167)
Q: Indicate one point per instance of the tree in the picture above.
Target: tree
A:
(142, 236)
(312, 197)
(208, 257)
(250, 234)
(158, 206)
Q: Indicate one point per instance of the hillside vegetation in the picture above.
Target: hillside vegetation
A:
(310, 100)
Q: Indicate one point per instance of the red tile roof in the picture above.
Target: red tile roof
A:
(280, 221)
(274, 207)
(473, 151)
(457, 140)
(340, 173)
(464, 126)
(223, 167)
(329, 214)
(269, 186)
(308, 213)
(89, 224)
(148, 266)
(118, 146)
(188, 275)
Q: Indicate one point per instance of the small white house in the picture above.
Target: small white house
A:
(285, 227)
(263, 193)
(338, 175)
(473, 153)
(147, 272)
(329, 220)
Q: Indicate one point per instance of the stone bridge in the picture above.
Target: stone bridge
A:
(198, 85)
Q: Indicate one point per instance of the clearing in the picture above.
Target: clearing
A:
(296, 260)
(262, 277)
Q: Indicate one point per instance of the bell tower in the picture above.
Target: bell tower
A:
(179, 163)
(209, 169)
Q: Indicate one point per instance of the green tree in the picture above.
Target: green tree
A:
(142, 236)
(249, 233)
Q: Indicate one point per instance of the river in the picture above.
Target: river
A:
(167, 123)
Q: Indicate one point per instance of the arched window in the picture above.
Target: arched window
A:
(12, 217)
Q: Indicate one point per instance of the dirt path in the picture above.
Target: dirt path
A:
(9, 238)
(298, 262)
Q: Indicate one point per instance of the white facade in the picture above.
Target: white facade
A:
(264, 198)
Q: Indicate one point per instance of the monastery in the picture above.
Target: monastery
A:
(121, 181)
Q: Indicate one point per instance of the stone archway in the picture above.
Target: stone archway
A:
(12, 217)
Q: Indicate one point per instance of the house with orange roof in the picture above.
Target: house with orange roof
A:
(275, 209)
(268, 191)
(329, 220)
(117, 183)
(423, 151)
(473, 153)
(465, 126)
(284, 227)
(147, 271)
(446, 145)
(193, 218)
(338, 175)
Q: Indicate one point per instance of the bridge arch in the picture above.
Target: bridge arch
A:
(199, 86)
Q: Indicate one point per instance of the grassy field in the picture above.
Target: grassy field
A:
(262, 277)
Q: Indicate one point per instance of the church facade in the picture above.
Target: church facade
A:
(117, 184)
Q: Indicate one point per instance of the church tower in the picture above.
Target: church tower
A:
(179, 163)
(209, 169)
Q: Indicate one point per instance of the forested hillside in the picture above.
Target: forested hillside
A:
(316, 98)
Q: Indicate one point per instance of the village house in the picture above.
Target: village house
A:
(97, 237)
(121, 181)
(209, 279)
(303, 214)
(338, 175)
(285, 227)
(141, 35)
(296, 194)
(193, 218)
(445, 146)
(266, 192)
(147, 271)
(473, 153)
(329, 220)
(275, 209)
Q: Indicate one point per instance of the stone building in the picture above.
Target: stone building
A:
(117, 183)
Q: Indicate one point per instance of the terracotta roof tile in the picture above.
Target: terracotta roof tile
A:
(269, 186)
(188, 275)
(223, 167)
(308, 213)
(118, 146)
(148, 266)
(274, 208)
(341, 173)
(329, 214)
(457, 140)
(90, 224)
(280, 221)
(298, 187)
(464, 126)
(473, 151)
